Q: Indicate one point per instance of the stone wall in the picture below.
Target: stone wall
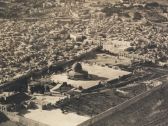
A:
(131, 112)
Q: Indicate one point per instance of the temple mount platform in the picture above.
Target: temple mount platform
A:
(93, 74)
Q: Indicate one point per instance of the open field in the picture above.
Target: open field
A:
(56, 117)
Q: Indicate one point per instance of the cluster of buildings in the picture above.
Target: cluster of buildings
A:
(29, 45)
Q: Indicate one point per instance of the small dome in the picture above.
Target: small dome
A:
(77, 67)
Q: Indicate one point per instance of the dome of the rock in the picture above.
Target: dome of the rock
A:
(77, 73)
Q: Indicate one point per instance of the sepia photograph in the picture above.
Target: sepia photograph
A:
(83, 62)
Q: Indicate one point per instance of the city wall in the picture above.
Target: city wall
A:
(105, 118)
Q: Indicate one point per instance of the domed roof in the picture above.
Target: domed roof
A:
(77, 67)
(77, 73)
